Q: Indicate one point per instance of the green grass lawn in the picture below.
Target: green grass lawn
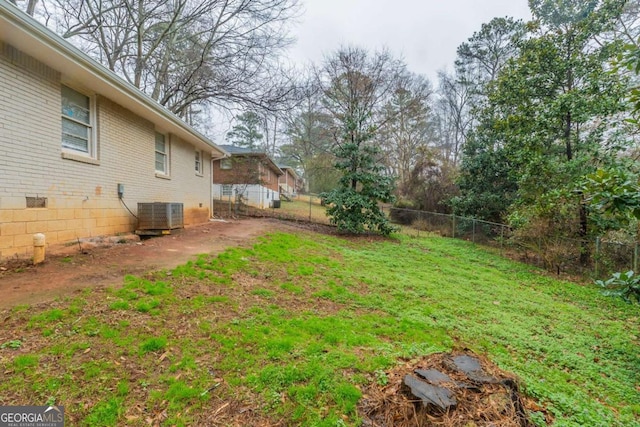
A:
(302, 209)
(293, 329)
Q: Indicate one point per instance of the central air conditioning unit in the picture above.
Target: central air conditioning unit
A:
(160, 216)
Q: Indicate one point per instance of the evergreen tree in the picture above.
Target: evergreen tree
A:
(246, 132)
(356, 86)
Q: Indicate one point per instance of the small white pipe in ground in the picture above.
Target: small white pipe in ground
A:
(38, 248)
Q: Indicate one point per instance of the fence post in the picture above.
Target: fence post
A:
(501, 239)
(635, 258)
(453, 229)
(309, 207)
(473, 232)
(597, 257)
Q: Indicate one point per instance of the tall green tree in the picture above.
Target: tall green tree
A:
(550, 116)
(486, 52)
(573, 100)
(246, 132)
(356, 85)
(479, 62)
(614, 190)
(631, 61)
(487, 188)
(486, 180)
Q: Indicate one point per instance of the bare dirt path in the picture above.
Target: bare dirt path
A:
(67, 270)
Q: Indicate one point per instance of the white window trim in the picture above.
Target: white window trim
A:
(226, 190)
(199, 161)
(92, 144)
(167, 153)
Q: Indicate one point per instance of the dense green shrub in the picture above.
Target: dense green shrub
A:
(623, 285)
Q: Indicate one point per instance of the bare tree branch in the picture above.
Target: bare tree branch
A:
(186, 52)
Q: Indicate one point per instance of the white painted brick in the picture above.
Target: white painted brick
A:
(31, 162)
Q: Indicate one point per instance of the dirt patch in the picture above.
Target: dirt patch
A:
(70, 268)
(455, 396)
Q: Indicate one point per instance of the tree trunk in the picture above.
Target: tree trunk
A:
(31, 7)
(567, 137)
(585, 250)
(137, 79)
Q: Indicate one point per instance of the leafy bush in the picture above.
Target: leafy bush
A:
(624, 285)
(358, 211)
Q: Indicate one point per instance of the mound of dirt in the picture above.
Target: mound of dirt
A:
(447, 389)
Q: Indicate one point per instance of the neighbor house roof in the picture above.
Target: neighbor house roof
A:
(243, 151)
(289, 168)
(29, 36)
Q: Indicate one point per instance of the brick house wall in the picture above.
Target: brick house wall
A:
(81, 194)
(246, 170)
(288, 181)
(249, 174)
(270, 178)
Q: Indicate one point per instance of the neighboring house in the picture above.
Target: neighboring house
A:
(71, 131)
(247, 175)
(290, 183)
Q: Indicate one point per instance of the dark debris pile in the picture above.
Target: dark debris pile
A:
(447, 389)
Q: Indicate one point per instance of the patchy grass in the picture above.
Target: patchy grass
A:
(153, 344)
(303, 209)
(290, 331)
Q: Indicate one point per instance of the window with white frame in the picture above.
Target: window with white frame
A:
(227, 189)
(199, 162)
(162, 154)
(77, 122)
(225, 164)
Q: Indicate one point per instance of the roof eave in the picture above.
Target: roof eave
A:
(263, 155)
(34, 39)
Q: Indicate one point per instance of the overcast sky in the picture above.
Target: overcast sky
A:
(425, 33)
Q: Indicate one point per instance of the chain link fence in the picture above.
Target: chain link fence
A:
(597, 257)
(448, 225)
(299, 207)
